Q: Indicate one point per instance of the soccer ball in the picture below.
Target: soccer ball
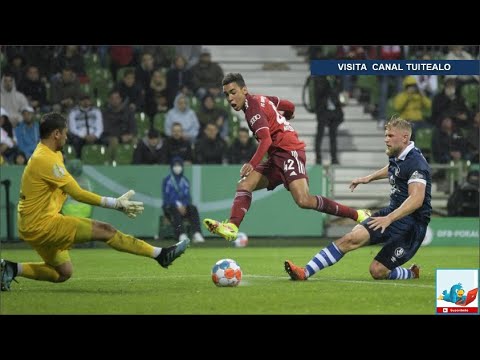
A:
(226, 272)
(241, 240)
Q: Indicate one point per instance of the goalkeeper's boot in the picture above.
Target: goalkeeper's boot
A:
(169, 254)
(363, 214)
(225, 229)
(8, 271)
(295, 272)
(415, 269)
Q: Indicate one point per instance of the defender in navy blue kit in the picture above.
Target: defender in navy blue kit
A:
(401, 226)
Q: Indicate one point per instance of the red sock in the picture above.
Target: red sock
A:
(240, 206)
(331, 207)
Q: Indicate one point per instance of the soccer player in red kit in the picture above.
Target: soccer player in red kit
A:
(267, 118)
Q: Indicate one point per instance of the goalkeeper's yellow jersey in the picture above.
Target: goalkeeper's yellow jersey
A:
(40, 195)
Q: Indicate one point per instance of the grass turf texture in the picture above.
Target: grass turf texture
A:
(109, 282)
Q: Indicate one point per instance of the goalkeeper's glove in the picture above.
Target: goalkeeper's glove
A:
(131, 208)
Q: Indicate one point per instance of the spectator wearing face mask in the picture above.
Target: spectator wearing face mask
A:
(451, 103)
(177, 203)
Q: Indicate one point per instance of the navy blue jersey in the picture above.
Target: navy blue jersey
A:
(409, 167)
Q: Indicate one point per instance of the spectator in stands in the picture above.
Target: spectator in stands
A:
(209, 113)
(20, 158)
(176, 145)
(427, 84)
(5, 123)
(411, 104)
(457, 52)
(120, 56)
(177, 202)
(155, 95)
(85, 124)
(150, 149)
(70, 57)
(34, 89)
(473, 141)
(182, 114)
(329, 113)
(8, 149)
(207, 76)
(119, 123)
(242, 149)
(144, 71)
(191, 53)
(11, 99)
(349, 52)
(27, 132)
(387, 52)
(162, 54)
(210, 148)
(65, 91)
(465, 199)
(41, 56)
(179, 79)
(452, 104)
(16, 67)
(132, 94)
(159, 106)
(447, 143)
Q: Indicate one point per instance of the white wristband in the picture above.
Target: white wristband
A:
(109, 202)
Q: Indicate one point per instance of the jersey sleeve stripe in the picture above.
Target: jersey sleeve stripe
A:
(424, 182)
(263, 127)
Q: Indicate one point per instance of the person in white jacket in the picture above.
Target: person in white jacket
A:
(85, 124)
(12, 101)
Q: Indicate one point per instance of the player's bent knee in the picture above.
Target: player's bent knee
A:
(65, 272)
(63, 278)
(378, 271)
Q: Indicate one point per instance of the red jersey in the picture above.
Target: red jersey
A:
(261, 112)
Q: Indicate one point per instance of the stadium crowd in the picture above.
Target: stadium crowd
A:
(124, 104)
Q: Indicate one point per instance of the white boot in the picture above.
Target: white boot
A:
(198, 238)
(182, 237)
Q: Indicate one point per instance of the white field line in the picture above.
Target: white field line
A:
(403, 283)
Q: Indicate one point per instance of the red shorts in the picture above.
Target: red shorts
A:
(283, 167)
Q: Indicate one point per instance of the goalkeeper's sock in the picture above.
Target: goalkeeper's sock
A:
(38, 271)
(326, 257)
(127, 243)
(331, 207)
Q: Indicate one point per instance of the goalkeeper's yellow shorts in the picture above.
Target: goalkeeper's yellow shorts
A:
(53, 240)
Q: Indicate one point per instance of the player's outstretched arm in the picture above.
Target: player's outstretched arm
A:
(379, 174)
(416, 195)
(123, 203)
(264, 142)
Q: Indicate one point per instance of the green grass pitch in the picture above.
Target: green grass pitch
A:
(109, 282)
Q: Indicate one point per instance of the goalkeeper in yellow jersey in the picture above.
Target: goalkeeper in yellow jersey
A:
(44, 188)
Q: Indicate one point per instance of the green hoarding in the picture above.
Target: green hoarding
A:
(273, 213)
(461, 231)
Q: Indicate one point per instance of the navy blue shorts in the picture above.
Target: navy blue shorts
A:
(402, 239)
